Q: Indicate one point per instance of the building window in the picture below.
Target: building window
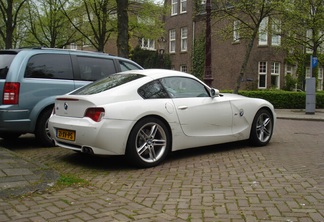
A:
(148, 44)
(290, 70)
(236, 34)
(263, 32)
(172, 41)
(320, 79)
(183, 6)
(309, 37)
(307, 74)
(174, 7)
(262, 75)
(275, 75)
(73, 46)
(184, 36)
(183, 68)
(276, 29)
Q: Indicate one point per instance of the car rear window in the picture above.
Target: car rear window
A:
(107, 83)
(125, 66)
(5, 61)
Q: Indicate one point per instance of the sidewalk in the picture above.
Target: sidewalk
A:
(20, 176)
(299, 114)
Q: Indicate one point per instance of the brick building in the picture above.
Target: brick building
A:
(266, 67)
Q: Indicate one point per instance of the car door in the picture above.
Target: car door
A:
(199, 114)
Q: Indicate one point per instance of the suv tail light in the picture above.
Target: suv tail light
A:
(95, 113)
(11, 93)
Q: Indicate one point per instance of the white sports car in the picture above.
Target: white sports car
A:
(145, 114)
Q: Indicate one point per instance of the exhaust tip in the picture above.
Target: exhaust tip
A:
(87, 150)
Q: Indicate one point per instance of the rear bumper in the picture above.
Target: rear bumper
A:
(108, 137)
(14, 120)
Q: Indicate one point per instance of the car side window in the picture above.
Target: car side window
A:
(153, 90)
(51, 66)
(5, 61)
(181, 87)
(125, 66)
(92, 68)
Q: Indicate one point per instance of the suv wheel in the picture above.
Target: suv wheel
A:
(42, 132)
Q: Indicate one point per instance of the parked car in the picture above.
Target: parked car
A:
(30, 79)
(145, 114)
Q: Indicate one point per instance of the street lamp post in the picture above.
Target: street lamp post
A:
(208, 78)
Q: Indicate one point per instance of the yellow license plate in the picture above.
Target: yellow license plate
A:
(65, 134)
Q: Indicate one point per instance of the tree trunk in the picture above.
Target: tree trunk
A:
(245, 61)
(122, 39)
(9, 26)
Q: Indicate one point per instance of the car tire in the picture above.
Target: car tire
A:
(149, 143)
(262, 128)
(42, 131)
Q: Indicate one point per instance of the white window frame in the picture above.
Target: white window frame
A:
(183, 68)
(320, 78)
(275, 72)
(236, 33)
(263, 32)
(184, 39)
(148, 44)
(172, 41)
(309, 37)
(183, 6)
(290, 70)
(73, 46)
(262, 72)
(174, 7)
(307, 72)
(276, 29)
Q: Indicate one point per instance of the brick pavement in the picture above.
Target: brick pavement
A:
(234, 182)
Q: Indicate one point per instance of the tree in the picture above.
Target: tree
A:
(146, 19)
(97, 20)
(10, 11)
(122, 39)
(48, 25)
(303, 32)
(249, 14)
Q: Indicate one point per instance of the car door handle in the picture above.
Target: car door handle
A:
(183, 107)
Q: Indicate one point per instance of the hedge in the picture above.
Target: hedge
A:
(285, 99)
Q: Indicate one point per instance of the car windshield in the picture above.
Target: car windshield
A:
(107, 83)
(5, 61)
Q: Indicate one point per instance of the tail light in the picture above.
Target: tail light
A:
(95, 114)
(11, 93)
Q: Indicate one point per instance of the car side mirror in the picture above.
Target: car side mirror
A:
(214, 92)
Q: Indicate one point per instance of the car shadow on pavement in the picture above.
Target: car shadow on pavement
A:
(54, 156)
(207, 150)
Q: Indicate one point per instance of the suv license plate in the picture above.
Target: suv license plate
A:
(65, 134)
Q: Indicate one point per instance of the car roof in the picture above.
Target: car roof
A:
(159, 73)
(72, 51)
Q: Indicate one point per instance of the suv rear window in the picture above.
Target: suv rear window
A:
(49, 66)
(125, 66)
(5, 61)
(95, 68)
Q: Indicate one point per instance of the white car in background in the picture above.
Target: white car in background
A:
(145, 114)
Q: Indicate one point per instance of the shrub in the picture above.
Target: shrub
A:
(285, 99)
